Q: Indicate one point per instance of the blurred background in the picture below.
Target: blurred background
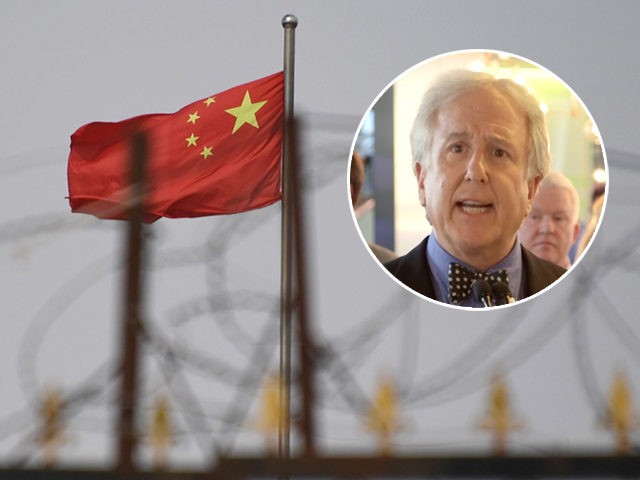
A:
(211, 296)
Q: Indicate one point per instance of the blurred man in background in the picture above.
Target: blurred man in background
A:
(356, 181)
(552, 226)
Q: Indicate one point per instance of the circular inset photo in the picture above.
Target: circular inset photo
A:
(477, 179)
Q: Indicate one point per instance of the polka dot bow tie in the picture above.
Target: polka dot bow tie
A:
(461, 279)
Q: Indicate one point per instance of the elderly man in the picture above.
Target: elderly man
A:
(552, 226)
(480, 150)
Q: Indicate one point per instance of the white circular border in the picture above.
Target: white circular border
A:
(595, 232)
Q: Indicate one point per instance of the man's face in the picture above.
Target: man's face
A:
(549, 230)
(476, 191)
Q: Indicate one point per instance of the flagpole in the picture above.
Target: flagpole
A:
(131, 321)
(289, 23)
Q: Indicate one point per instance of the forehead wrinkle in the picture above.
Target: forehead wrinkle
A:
(464, 135)
(501, 123)
(497, 139)
(551, 212)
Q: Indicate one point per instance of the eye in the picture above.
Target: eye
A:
(457, 148)
(500, 153)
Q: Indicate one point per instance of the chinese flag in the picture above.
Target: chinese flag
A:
(218, 155)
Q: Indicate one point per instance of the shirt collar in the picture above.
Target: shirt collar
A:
(439, 259)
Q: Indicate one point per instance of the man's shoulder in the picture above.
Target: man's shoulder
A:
(412, 270)
(540, 272)
(408, 260)
(393, 265)
(541, 264)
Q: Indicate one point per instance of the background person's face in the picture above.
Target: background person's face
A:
(549, 229)
(476, 191)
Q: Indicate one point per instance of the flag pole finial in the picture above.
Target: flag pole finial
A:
(289, 20)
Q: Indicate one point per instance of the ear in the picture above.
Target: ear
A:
(532, 187)
(420, 173)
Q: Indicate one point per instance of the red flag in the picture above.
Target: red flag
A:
(218, 155)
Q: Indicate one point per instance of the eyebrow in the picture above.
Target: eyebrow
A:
(493, 138)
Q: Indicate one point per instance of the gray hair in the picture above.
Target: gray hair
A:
(556, 179)
(455, 82)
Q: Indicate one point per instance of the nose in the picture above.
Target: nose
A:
(546, 224)
(476, 167)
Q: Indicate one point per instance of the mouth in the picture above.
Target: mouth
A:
(472, 207)
(544, 245)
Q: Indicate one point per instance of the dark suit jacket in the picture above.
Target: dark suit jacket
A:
(413, 270)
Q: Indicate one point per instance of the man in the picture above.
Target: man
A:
(356, 180)
(480, 149)
(552, 226)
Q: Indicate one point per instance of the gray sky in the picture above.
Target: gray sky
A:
(71, 62)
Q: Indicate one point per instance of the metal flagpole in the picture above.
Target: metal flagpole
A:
(289, 23)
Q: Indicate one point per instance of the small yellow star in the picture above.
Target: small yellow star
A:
(246, 112)
(206, 152)
(191, 141)
(193, 117)
(209, 101)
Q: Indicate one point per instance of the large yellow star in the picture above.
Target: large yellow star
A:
(246, 112)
